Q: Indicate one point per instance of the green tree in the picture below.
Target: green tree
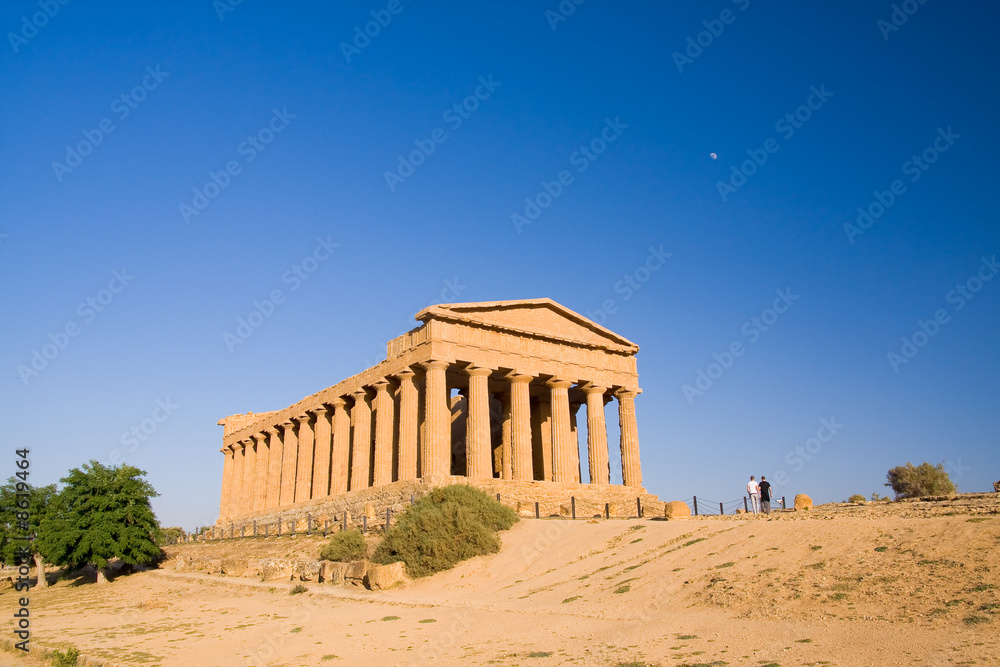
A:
(911, 481)
(22, 508)
(101, 513)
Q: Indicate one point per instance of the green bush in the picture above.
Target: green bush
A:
(856, 498)
(911, 481)
(67, 659)
(345, 547)
(448, 525)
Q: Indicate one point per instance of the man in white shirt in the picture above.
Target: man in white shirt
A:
(754, 491)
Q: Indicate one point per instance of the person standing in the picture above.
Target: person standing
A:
(754, 492)
(765, 495)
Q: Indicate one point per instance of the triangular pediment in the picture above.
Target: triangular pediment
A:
(537, 317)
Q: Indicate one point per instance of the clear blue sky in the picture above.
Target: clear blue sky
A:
(330, 121)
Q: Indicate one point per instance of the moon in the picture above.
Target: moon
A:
(713, 156)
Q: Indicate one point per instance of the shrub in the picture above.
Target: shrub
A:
(298, 588)
(856, 498)
(876, 498)
(67, 659)
(448, 525)
(345, 547)
(911, 481)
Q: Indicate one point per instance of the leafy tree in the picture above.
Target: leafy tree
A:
(911, 481)
(22, 508)
(101, 513)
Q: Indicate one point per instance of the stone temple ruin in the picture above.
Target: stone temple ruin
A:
(519, 370)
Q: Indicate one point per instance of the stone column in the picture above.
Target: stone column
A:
(249, 461)
(259, 472)
(631, 469)
(385, 422)
(276, 447)
(304, 465)
(237, 490)
(341, 454)
(361, 424)
(227, 478)
(290, 453)
(574, 442)
(562, 470)
(437, 445)
(407, 425)
(520, 428)
(321, 459)
(506, 428)
(477, 430)
(597, 436)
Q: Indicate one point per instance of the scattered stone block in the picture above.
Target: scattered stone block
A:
(803, 502)
(356, 572)
(212, 565)
(235, 567)
(676, 509)
(383, 577)
(333, 573)
(275, 569)
(306, 570)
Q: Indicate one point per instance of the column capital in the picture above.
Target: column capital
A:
(434, 365)
(627, 393)
(338, 402)
(288, 423)
(594, 389)
(360, 394)
(272, 431)
(259, 437)
(246, 442)
(305, 417)
(478, 371)
(381, 385)
(556, 383)
(518, 378)
(405, 373)
(319, 410)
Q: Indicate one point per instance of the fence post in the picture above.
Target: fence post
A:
(326, 527)
(638, 507)
(536, 509)
(607, 510)
(255, 527)
(695, 498)
(279, 528)
(232, 530)
(243, 530)
(364, 523)
(343, 525)
(411, 498)
(721, 509)
(388, 517)
(783, 503)
(309, 524)
(745, 508)
(291, 533)
(265, 530)
(498, 497)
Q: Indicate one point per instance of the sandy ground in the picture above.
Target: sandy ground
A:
(905, 585)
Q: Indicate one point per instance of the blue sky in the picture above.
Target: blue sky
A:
(184, 86)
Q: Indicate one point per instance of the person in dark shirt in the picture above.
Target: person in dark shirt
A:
(765, 495)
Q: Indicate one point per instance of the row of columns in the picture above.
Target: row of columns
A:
(331, 450)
